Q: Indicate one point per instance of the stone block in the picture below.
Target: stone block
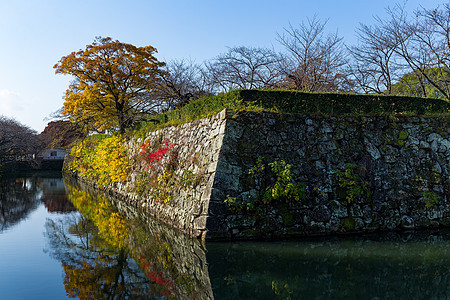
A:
(373, 151)
(217, 208)
(321, 213)
(200, 222)
(212, 167)
(226, 181)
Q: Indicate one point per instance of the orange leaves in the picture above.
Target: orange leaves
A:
(112, 79)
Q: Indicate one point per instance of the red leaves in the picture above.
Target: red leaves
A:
(158, 155)
(156, 277)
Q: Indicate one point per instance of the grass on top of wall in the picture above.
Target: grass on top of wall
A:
(296, 102)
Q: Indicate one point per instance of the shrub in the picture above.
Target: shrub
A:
(334, 103)
(430, 198)
(274, 186)
(352, 185)
(296, 102)
(100, 157)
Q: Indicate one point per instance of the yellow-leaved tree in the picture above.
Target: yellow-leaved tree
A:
(114, 84)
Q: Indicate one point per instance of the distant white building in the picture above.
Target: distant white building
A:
(54, 154)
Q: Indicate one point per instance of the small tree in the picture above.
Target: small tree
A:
(114, 84)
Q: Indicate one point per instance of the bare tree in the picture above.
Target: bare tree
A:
(374, 68)
(423, 46)
(313, 61)
(430, 53)
(183, 82)
(244, 68)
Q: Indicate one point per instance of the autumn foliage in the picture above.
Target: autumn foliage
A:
(114, 84)
(112, 227)
(60, 134)
(103, 158)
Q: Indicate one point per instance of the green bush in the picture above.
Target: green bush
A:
(274, 185)
(198, 109)
(333, 103)
(295, 102)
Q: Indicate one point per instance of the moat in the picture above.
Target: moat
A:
(59, 241)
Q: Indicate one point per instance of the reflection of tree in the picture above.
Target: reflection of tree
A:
(92, 268)
(92, 250)
(105, 255)
(18, 197)
(54, 196)
(111, 226)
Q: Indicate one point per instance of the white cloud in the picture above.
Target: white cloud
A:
(26, 108)
(14, 105)
(11, 103)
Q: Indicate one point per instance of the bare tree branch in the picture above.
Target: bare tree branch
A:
(244, 68)
(314, 61)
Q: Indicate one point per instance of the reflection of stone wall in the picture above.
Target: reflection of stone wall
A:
(183, 259)
(401, 164)
(174, 262)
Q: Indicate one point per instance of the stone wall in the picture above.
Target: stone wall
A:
(196, 148)
(358, 174)
(397, 169)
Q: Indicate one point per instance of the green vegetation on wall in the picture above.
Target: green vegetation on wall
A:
(351, 184)
(273, 184)
(296, 102)
(336, 103)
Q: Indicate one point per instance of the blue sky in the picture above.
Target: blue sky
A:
(34, 35)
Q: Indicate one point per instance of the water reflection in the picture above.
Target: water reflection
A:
(92, 268)
(110, 250)
(54, 196)
(105, 255)
(392, 266)
(19, 196)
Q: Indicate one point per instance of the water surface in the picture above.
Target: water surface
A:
(60, 240)
(26, 271)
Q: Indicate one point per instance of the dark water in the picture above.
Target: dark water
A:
(59, 240)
